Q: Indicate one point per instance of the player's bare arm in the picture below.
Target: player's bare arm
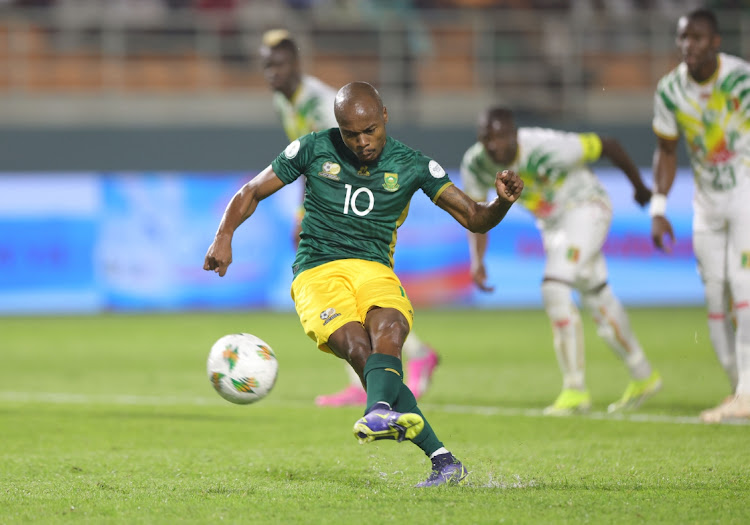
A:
(242, 206)
(480, 217)
(665, 169)
(613, 150)
(477, 249)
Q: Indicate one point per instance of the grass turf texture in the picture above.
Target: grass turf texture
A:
(111, 419)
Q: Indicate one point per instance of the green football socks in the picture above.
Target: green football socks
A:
(384, 379)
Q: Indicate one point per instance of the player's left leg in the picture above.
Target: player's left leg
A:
(613, 326)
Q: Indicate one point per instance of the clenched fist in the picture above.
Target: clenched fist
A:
(508, 185)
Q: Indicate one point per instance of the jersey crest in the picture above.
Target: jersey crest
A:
(390, 182)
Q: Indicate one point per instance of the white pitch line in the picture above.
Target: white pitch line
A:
(489, 411)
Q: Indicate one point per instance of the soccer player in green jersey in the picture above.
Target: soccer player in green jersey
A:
(358, 186)
(573, 213)
(305, 104)
(706, 100)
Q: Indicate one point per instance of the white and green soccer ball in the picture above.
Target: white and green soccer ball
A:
(242, 368)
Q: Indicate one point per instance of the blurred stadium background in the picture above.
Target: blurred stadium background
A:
(126, 126)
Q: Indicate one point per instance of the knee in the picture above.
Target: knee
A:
(387, 329)
(558, 301)
(742, 313)
(716, 298)
(351, 344)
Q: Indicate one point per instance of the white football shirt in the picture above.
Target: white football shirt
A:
(714, 118)
(311, 108)
(552, 165)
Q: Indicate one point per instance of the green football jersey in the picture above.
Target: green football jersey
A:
(352, 210)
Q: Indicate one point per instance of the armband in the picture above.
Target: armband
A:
(658, 205)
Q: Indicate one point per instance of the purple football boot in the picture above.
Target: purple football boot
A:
(446, 470)
(383, 423)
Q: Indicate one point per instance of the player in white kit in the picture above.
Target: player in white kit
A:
(573, 212)
(305, 104)
(706, 99)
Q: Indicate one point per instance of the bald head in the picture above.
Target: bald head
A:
(362, 118)
(357, 99)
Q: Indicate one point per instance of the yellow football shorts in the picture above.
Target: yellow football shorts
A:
(330, 295)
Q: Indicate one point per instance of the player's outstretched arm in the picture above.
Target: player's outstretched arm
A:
(477, 248)
(665, 170)
(481, 217)
(613, 150)
(242, 206)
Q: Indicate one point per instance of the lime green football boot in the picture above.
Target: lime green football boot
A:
(570, 401)
(636, 393)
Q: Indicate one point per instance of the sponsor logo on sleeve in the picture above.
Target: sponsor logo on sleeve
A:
(292, 149)
(436, 170)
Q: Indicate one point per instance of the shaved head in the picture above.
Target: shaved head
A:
(362, 118)
(357, 98)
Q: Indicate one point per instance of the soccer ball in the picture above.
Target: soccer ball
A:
(242, 368)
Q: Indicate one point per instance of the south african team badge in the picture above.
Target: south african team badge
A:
(390, 182)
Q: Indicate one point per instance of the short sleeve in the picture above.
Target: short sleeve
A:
(293, 161)
(567, 150)
(433, 178)
(664, 123)
(592, 146)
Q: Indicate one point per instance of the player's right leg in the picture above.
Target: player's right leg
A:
(569, 243)
(710, 246)
(387, 314)
(738, 275)
(567, 339)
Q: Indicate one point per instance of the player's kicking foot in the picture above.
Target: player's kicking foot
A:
(383, 423)
(419, 372)
(353, 395)
(636, 393)
(569, 402)
(735, 407)
(446, 470)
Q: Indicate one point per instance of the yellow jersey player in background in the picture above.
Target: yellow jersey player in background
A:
(573, 213)
(305, 104)
(706, 99)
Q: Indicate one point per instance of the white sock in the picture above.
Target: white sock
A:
(614, 327)
(414, 348)
(441, 450)
(567, 332)
(721, 330)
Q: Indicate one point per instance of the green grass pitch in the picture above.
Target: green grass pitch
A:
(111, 419)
